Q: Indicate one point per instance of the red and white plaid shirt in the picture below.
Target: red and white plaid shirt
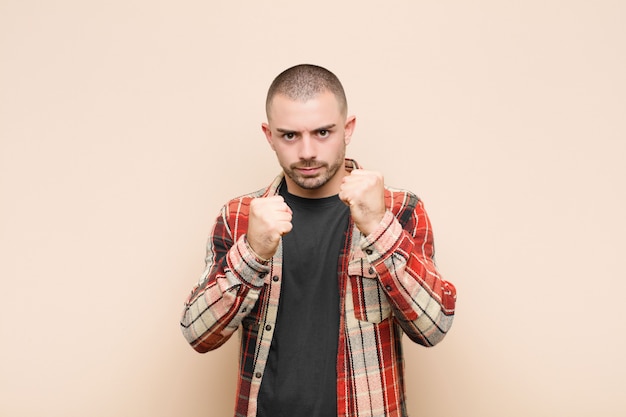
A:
(388, 282)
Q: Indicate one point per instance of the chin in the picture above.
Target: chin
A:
(311, 185)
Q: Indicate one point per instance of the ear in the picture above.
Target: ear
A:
(268, 134)
(349, 129)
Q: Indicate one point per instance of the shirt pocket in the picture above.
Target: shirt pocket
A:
(368, 298)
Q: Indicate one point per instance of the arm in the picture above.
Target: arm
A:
(401, 253)
(227, 291)
(403, 257)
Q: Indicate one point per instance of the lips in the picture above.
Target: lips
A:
(308, 171)
(307, 167)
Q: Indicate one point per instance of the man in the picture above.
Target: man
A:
(322, 272)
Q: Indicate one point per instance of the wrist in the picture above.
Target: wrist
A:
(371, 226)
(260, 259)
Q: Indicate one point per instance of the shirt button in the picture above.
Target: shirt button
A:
(268, 327)
(388, 288)
(371, 270)
(243, 310)
(258, 375)
(262, 275)
(369, 251)
(275, 278)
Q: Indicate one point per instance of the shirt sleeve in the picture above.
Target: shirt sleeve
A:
(403, 258)
(226, 292)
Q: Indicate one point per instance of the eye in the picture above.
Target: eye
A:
(323, 133)
(289, 136)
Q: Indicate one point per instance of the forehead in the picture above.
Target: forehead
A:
(321, 108)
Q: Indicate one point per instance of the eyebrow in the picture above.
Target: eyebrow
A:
(327, 127)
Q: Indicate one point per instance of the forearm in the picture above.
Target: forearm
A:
(226, 293)
(423, 302)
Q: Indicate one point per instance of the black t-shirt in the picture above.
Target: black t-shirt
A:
(300, 377)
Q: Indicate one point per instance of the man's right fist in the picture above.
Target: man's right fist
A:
(270, 218)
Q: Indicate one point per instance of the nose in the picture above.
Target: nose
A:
(307, 150)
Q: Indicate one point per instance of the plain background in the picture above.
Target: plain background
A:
(126, 124)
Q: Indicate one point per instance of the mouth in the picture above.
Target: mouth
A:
(307, 171)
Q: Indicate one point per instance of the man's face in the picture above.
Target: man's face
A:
(310, 140)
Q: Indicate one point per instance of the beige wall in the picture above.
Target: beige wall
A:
(124, 125)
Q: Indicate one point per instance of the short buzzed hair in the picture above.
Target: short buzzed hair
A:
(305, 81)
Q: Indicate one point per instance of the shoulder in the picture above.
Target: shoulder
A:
(405, 205)
(398, 200)
(240, 206)
(235, 213)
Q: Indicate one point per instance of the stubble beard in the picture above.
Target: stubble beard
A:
(317, 181)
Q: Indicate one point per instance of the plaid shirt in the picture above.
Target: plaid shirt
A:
(388, 285)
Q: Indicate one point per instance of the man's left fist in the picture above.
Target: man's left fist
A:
(364, 192)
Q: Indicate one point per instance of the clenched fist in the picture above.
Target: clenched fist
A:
(364, 192)
(270, 218)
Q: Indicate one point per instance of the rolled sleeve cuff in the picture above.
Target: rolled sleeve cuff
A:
(383, 240)
(246, 266)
